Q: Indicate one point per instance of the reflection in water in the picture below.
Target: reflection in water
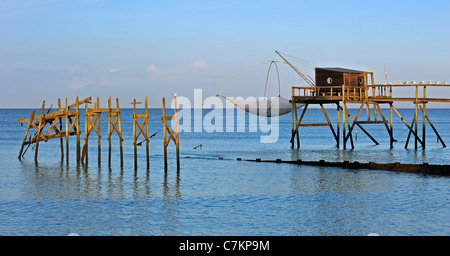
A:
(125, 199)
(170, 206)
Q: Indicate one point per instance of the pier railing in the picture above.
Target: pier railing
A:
(361, 93)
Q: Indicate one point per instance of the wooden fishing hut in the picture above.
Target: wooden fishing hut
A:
(341, 87)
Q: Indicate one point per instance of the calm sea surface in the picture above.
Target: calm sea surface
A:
(212, 196)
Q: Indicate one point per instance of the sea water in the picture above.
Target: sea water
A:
(213, 193)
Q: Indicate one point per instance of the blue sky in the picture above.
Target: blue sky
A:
(51, 49)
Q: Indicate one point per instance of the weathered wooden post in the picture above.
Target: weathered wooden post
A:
(38, 134)
(26, 134)
(146, 130)
(141, 130)
(78, 129)
(99, 136)
(163, 119)
(112, 127)
(109, 131)
(61, 140)
(170, 133)
(66, 116)
(119, 132)
(176, 131)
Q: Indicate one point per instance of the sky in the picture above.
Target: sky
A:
(52, 49)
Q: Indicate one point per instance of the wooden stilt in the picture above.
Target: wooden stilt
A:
(78, 130)
(176, 132)
(39, 133)
(348, 125)
(109, 131)
(99, 136)
(297, 125)
(119, 133)
(164, 118)
(169, 134)
(329, 124)
(147, 141)
(61, 141)
(134, 133)
(354, 122)
(143, 129)
(435, 131)
(423, 116)
(297, 130)
(293, 120)
(338, 125)
(416, 116)
(26, 134)
(391, 125)
(85, 154)
(389, 130)
(67, 129)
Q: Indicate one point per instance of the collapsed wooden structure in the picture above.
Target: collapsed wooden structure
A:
(345, 86)
(52, 119)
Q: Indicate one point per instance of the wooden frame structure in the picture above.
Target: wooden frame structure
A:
(92, 118)
(92, 123)
(52, 119)
(369, 94)
(169, 134)
(143, 129)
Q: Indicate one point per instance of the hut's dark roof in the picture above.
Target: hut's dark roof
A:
(343, 70)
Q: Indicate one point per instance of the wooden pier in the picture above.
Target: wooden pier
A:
(70, 115)
(342, 87)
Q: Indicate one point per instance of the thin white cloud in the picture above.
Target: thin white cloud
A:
(151, 69)
(79, 83)
(198, 64)
(70, 68)
(113, 70)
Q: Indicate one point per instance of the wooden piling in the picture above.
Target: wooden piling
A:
(119, 133)
(66, 116)
(39, 133)
(134, 133)
(147, 141)
(78, 130)
(143, 129)
(99, 136)
(61, 141)
(169, 134)
(338, 125)
(163, 119)
(26, 134)
(85, 154)
(109, 131)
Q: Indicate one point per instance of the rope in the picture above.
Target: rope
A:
(267, 78)
(311, 80)
(245, 69)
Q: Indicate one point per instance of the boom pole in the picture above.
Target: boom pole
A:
(301, 73)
